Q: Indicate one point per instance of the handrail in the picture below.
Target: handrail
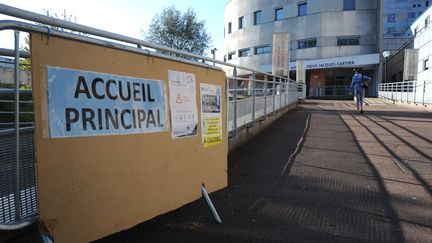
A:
(27, 15)
(11, 53)
(27, 27)
(22, 224)
(7, 132)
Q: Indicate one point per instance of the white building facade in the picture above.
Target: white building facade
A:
(332, 37)
(423, 43)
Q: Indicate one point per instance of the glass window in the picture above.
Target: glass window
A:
(391, 18)
(278, 13)
(426, 64)
(231, 55)
(411, 15)
(302, 44)
(244, 52)
(229, 28)
(427, 21)
(257, 17)
(302, 9)
(348, 5)
(348, 41)
(240, 22)
(262, 49)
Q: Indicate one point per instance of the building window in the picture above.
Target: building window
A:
(231, 55)
(426, 64)
(426, 3)
(348, 41)
(225, 58)
(244, 52)
(411, 15)
(348, 5)
(415, 30)
(427, 21)
(240, 22)
(302, 9)
(262, 49)
(257, 17)
(229, 28)
(278, 13)
(391, 18)
(302, 44)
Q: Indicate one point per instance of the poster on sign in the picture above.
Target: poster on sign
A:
(211, 114)
(85, 103)
(184, 117)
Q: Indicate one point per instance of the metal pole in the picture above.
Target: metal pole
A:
(265, 94)
(253, 97)
(211, 206)
(227, 89)
(274, 95)
(280, 93)
(385, 69)
(17, 198)
(235, 101)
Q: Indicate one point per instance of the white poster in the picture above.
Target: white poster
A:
(85, 103)
(211, 114)
(182, 91)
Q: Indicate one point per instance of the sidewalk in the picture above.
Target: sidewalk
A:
(321, 173)
(353, 178)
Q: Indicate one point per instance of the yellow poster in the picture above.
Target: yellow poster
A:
(211, 114)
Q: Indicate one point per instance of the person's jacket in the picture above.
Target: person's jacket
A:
(356, 82)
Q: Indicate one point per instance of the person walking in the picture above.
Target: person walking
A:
(359, 83)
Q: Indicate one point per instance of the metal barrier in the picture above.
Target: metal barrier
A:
(260, 98)
(338, 91)
(245, 106)
(416, 92)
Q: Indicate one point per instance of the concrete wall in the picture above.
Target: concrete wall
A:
(7, 76)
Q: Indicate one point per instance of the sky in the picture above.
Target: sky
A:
(126, 17)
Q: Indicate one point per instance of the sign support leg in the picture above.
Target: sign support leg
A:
(210, 205)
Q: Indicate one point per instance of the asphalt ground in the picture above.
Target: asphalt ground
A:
(321, 173)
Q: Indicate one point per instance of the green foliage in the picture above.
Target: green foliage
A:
(179, 30)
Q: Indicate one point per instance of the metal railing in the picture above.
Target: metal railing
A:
(415, 92)
(330, 91)
(251, 99)
(262, 97)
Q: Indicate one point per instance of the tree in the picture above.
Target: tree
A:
(178, 30)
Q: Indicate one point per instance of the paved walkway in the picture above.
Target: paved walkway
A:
(321, 173)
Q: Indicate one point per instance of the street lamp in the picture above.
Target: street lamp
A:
(213, 51)
(385, 55)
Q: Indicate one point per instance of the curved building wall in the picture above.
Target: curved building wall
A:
(325, 21)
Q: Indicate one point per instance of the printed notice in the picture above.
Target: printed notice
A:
(182, 92)
(84, 103)
(211, 114)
